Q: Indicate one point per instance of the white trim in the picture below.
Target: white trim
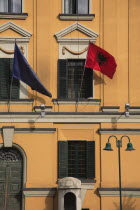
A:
(117, 193)
(14, 27)
(36, 193)
(120, 132)
(12, 39)
(92, 36)
(70, 118)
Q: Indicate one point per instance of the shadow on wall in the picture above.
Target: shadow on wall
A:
(47, 206)
(98, 80)
(128, 204)
(31, 96)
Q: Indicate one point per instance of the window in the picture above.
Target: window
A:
(71, 74)
(6, 65)
(11, 6)
(76, 6)
(77, 159)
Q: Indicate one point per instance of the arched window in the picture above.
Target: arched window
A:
(69, 201)
(11, 175)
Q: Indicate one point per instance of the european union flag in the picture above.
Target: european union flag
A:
(22, 71)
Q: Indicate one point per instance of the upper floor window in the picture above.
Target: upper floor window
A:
(11, 6)
(76, 6)
(73, 80)
(9, 88)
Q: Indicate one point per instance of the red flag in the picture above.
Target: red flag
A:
(100, 60)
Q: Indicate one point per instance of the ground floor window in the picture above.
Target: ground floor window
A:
(76, 159)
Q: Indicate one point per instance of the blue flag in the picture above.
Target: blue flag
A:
(22, 71)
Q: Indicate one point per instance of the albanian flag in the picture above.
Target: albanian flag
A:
(100, 60)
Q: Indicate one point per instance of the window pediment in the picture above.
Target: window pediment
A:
(91, 35)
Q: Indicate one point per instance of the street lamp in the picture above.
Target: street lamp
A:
(119, 145)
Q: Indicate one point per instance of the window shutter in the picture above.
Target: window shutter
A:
(90, 159)
(62, 79)
(4, 78)
(88, 82)
(63, 159)
(15, 83)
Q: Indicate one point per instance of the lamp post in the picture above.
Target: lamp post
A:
(119, 145)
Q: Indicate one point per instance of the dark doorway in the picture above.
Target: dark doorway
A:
(69, 201)
(11, 173)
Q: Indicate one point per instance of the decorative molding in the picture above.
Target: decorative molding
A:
(110, 108)
(12, 51)
(73, 52)
(16, 28)
(30, 130)
(123, 131)
(18, 16)
(70, 117)
(86, 17)
(8, 133)
(134, 108)
(114, 192)
(92, 36)
(74, 101)
(39, 192)
(9, 40)
(17, 101)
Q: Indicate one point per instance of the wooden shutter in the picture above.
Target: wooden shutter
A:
(15, 83)
(88, 82)
(4, 78)
(63, 159)
(6, 66)
(62, 78)
(90, 159)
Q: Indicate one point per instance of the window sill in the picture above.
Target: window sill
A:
(18, 16)
(89, 101)
(17, 101)
(88, 17)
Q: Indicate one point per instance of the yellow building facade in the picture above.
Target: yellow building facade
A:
(51, 149)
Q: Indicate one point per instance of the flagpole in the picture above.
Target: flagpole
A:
(81, 84)
(80, 89)
(10, 90)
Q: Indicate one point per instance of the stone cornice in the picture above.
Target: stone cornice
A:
(70, 117)
(39, 192)
(127, 131)
(113, 192)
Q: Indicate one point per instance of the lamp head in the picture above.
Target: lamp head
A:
(129, 147)
(108, 147)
